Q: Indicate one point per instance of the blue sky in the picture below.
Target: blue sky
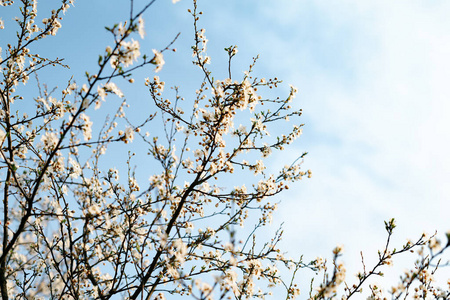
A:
(373, 83)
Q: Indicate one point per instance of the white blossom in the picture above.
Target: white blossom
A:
(112, 87)
(76, 169)
(141, 27)
(158, 60)
(50, 140)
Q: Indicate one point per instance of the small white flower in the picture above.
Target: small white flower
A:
(94, 209)
(2, 136)
(141, 27)
(158, 60)
(112, 87)
(49, 139)
(129, 135)
(101, 93)
(76, 169)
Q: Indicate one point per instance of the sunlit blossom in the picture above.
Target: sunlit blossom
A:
(141, 27)
(158, 60)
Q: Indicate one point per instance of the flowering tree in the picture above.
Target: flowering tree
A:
(72, 228)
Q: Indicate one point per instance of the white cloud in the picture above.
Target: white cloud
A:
(377, 116)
